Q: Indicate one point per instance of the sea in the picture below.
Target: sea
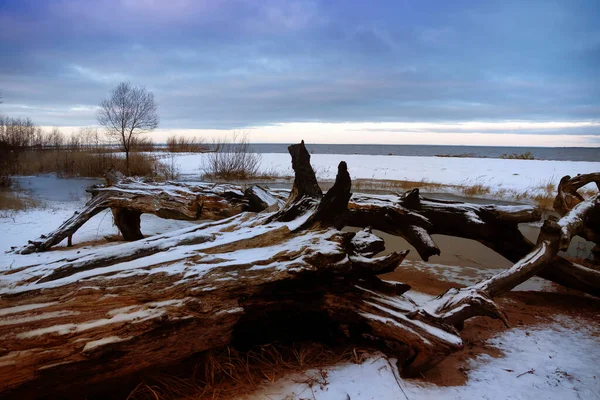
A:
(540, 153)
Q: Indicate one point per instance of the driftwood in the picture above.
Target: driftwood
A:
(282, 274)
(129, 198)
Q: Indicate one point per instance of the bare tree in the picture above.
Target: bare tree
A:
(128, 112)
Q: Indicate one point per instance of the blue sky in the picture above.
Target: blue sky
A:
(238, 64)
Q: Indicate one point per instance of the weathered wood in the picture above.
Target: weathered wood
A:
(457, 305)
(129, 198)
(410, 215)
(417, 218)
(567, 196)
(128, 223)
(305, 180)
(261, 200)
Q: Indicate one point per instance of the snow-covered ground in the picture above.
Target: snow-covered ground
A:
(507, 174)
(555, 361)
(502, 176)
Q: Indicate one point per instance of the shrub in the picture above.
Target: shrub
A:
(514, 156)
(167, 169)
(182, 144)
(232, 160)
(141, 144)
(5, 181)
(475, 190)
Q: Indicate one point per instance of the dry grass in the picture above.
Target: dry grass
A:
(67, 163)
(550, 187)
(183, 144)
(232, 159)
(478, 189)
(544, 200)
(11, 201)
(227, 373)
(587, 193)
(394, 185)
(168, 169)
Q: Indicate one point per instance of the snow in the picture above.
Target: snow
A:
(499, 174)
(89, 346)
(38, 317)
(431, 330)
(562, 359)
(374, 379)
(150, 311)
(555, 361)
(26, 307)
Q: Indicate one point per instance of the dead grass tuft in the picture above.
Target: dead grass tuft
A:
(186, 144)
(544, 200)
(393, 185)
(227, 373)
(478, 189)
(587, 193)
(10, 201)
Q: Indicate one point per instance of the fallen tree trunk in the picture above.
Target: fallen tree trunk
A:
(129, 198)
(151, 303)
(416, 218)
(410, 216)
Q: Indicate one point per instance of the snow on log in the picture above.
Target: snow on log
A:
(417, 218)
(129, 198)
(568, 196)
(457, 305)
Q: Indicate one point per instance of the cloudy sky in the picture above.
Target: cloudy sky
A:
(398, 71)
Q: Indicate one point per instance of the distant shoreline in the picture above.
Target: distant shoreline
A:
(539, 153)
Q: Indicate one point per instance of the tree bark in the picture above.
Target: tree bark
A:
(128, 222)
(129, 198)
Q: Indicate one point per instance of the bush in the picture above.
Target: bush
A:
(182, 144)
(232, 160)
(167, 169)
(514, 156)
(141, 144)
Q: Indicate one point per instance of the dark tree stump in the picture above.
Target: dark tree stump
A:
(128, 222)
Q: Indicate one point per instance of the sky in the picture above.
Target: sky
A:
(435, 72)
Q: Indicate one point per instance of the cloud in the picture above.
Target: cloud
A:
(234, 64)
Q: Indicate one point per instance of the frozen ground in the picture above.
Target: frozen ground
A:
(499, 174)
(556, 359)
